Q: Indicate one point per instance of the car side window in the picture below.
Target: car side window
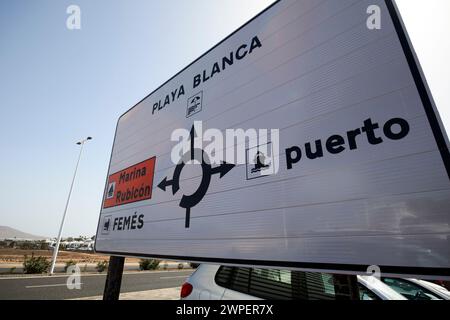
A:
(366, 294)
(410, 290)
(277, 284)
(262, 283)
(234, 278)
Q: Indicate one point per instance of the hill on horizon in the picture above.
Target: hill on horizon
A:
(11, 233)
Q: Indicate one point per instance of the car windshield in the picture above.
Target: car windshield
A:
(410, 290)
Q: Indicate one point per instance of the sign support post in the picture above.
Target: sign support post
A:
(114, 279)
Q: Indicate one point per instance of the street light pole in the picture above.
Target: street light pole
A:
(56, 249)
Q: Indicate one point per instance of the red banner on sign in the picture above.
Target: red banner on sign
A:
(130, 185)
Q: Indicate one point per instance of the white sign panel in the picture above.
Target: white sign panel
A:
(344, 163)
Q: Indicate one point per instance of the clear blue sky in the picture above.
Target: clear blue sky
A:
(58, 86)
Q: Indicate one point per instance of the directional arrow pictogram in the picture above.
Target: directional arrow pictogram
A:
(164, 184)
(188, 202)
(223, 169)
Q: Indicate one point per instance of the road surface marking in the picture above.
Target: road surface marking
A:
(174, 277)
(47, 285)
(91, 275)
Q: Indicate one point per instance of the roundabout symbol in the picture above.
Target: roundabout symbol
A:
(189, 201)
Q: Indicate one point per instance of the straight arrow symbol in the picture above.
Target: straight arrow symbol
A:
(222, 169)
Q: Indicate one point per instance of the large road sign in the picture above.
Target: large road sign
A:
(363, 159)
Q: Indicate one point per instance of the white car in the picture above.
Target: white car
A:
(214, 282)
(414, 289)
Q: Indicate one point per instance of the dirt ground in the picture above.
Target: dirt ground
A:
(17, 256)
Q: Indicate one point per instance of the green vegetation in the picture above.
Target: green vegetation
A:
(149, 264)
(68, 264)
(35, 265)
(102, 266)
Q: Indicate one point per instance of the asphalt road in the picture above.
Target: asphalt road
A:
(55, 288)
